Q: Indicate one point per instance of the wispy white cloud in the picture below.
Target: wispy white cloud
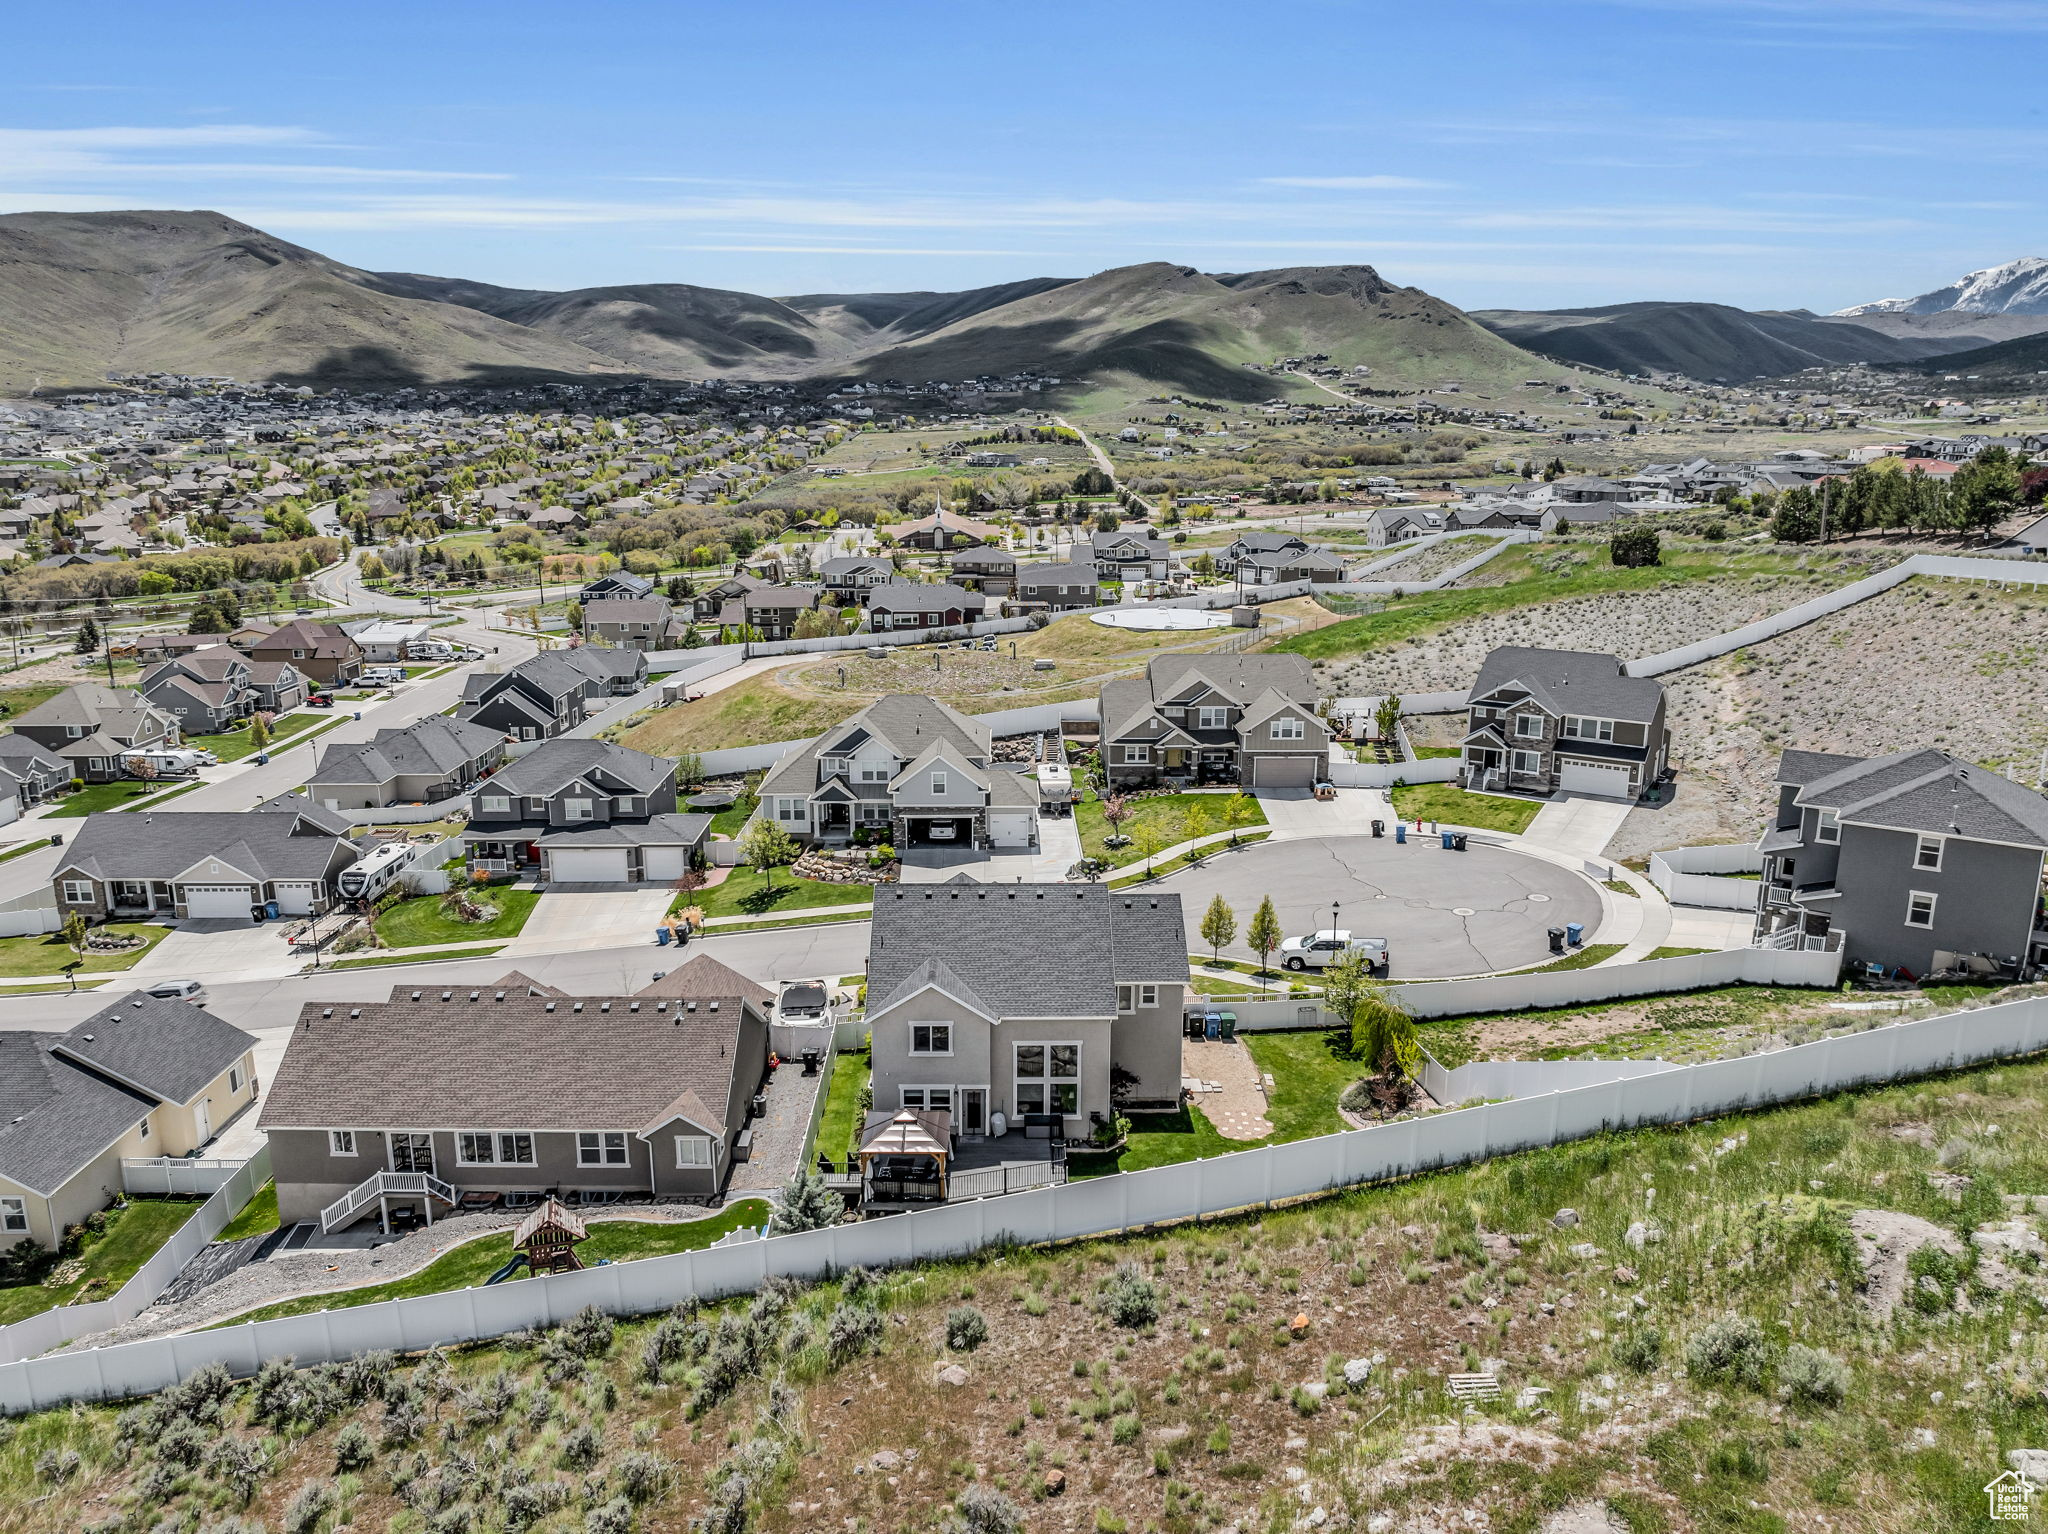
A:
(859, 250)
(1352, 183)
(60, 158)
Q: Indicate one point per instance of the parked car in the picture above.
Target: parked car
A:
(383, 676)
(319, 700)
(1319, 950)
(178, 990)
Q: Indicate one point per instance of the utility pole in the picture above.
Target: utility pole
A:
(1824, 511)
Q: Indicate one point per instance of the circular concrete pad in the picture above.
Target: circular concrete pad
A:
(1161, 619)
(1407, 894)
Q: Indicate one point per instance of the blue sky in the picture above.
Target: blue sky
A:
(1769, 153)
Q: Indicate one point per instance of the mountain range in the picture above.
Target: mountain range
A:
(83, 295)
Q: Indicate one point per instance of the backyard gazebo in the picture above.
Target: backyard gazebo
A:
(904, 1155)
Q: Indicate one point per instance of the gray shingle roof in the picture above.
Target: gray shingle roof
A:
(426, 748)
(1025, 950)
(55, 1119)
(907, 723)
(1931, 791)
(1240, 678)
(282, 844)
(701, 976)
(913, 597)
(1570, 682)
(553, 764)
(169, 1049)
(527, 1062)
(654, 831)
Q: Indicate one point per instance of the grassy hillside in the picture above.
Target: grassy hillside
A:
(1820, 1317)
(1707, 341)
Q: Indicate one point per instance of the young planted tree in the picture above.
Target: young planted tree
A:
(1219, 926)
(1386, 718)
(768, 847)
(1347, 983)
(1158, 831)
(1383, 1036)
(75, 929)
(259, 730)
(1116, 809)
(1264, 933)
(690, 770)
(805, 1203)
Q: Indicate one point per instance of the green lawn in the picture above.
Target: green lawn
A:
(376, 961)
(841, 1120)
(1584, 958)
(1432, 753)
(49, 955)
(233, 745)
(106, 796)
(745, 892)
(1450, 804)
(1175, 817)
(474, 1261)
(1675, 953)
(732, 820)
(417, 923)
(19, 700)
(257, 1216)
(1310, 1068)
(132, 1238)
(24, 849)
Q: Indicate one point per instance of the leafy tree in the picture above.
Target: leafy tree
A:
(1158, 831)
(767, 846)
(690, 769)
(1386, 716)
(1219, 925)
(154, 583)
(1633, 548)
(1384, 1036)
(574, 613)
(805, 1203)
(1797, 518)
(1105, 521)
(1116, 809)
(1264, 934)
(1348, 982)
(1985, 491)
(88, 637)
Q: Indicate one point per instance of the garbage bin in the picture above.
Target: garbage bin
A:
(1229, 1026)
(1447, 836)
(1457, 841)
(1379, 828)
(1557, 940)
(661, 936)
(1574, 933)
(1212, 1026)
(1401, 832)
(270, 910)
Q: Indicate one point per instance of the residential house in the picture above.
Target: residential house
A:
(584, 812)
(629, 623)
(607, 673)
(389, 641)
(1563, 721)
(430, 760)
(710, 601)
(619, 586)
(1126, 555)
(204, 864)
(988, 570)
(543, 696)
(1277, 567)
(213, 690)
(1571, 515)
(94, 729)
(911, 604)
(1045, 1006)
(1061, 586)
(321, 652)
(770, 611)
(848, 577)
(1257, 541)
(907, 770)
(1910, 862)
(36, 771)
(945, 529)
(510, 1093)
(1249, 719)
(1389, 525)
(142, 1077)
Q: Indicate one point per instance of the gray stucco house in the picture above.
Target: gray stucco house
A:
(432, 759)
(910, 770)
(1060, 585)
(1197, 719)
(585, 812)
(1547, 721)
(141, 1077)
(1906, 861)
(511, 1093)
(204, 864)
(93, 728)
(1025, 1000)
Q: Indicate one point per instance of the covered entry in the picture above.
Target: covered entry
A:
(1609, 780)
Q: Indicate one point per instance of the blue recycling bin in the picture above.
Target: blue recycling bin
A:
(270, 910)
(1401, 832)
(1212, 1026)
(1574, 933)
(661, 936)
(1446, 840)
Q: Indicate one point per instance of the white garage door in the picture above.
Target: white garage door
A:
(1010, 829)
(664, 862)
(295, 899)
(588, 865)
(1593, 778)
(1283, 771)
(211, 900)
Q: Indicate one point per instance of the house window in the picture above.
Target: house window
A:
(1212, 718)
(1137, 753)
(604, 1148)
(483, 1148)
(1927, 854)
(142, 1130)
(625, 806)
(341, 1142)
(929, 1099)
(13, 1215)
(78, 892)
(931, 1038)
(939, 783)
(1124, 998)
(234, 1078)
(1588, 729)
(1528, 761)
(1148, 995)
(790, 809)
(412, 1153)
(577, 809)
(1287, 729)
(1828, 827)
(693, 1151)
(1529, 726)
(495, 804)
(1048, 1078)
(834, 764)
(876, 774)
(1919, 909)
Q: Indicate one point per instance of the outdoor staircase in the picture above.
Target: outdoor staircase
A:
(347, 1209)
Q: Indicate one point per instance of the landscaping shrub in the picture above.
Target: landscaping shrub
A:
(1128, 1297)
(1729, 1351)
(966, 1329)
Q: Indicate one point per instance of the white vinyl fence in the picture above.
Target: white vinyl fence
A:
(1606, 982)
(1094, 1206)
(53, 1328)
(1693, 876)
(1492, 1080)
(176, 1176)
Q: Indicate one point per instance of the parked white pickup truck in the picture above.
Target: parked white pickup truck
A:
(1319, 950)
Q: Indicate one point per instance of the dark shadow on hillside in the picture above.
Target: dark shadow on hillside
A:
(380, 367)
(1167, 352)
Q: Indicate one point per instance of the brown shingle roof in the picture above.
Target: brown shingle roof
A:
(700, 977)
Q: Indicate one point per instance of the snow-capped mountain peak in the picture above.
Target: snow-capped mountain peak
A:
(2018, 287)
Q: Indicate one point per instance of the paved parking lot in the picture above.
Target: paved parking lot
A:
(1445, 913)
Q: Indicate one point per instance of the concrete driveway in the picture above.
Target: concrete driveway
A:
(216, 947)
(1059, 849)
(575, 916)
(1443, 913)
(1297, 812)
(1577, 824)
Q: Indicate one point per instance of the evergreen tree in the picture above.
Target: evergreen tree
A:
(805, 1203)
(88, 637)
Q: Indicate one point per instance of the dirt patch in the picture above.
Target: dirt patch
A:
(1885, 1241)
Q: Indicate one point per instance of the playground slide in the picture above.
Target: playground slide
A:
(518, 1261)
